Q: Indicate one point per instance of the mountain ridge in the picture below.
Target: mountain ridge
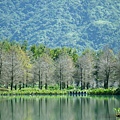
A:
(72, 23)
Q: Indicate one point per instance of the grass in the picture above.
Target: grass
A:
(32, 91)
(100, 91)
(55, 91)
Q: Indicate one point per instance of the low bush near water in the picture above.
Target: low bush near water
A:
(117, 91)
(30, 91)
(4, 89)
(101, 91)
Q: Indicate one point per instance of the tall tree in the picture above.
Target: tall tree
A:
(4, 47)
(118, 69)
(84, 69)
(26, 63)
(13, 70)
(97, 68)
(48, 70)
(43, 68)
(107, 66)
(64, 70)
(38, 71)
(1, 59)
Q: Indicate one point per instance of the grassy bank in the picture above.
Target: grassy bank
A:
(35, 91)
(101, 91)
(31, 91)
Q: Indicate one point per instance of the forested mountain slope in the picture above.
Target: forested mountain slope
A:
(72, 23)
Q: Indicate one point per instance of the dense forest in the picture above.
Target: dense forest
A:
(40, 66)
(57, 23)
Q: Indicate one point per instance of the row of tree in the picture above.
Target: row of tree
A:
(40, 66)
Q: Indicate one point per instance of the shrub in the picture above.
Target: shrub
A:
(70, 88)
(101, 91)
(117, 91)
(4, 89)
(56, 87)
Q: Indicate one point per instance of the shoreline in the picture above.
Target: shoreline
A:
(77, 92)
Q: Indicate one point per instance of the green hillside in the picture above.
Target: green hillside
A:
(56, 23)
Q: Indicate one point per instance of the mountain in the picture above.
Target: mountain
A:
(55, 23)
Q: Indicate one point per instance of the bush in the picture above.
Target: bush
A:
(70, 88)
(56, 87)
(117, 91)
(4, 89)
(101, 91)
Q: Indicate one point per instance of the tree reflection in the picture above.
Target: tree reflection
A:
(58, 108)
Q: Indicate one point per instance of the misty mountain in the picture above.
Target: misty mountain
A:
(55, 23)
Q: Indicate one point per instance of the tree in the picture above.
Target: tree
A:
(38, 50)
(118, 69)
(96, 68)
(24, 45)
(107, 66)
(4, 46)
(84, 69)
(43, 68)
(38, 69)
(1, 59)
(64, 70)
(26, 63)
(13, 69)
(48, 70)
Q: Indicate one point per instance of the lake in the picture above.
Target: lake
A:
(59, 107)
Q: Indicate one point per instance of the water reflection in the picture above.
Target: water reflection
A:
(58, 108)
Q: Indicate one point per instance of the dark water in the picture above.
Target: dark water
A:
(58, 108)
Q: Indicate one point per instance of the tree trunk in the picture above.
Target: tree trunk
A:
(1, 63)
(106, 81)
(81, 78)
(41, 85)
(88, 85)
(46, 86)
(12, 78)
(11, 87)
(20, 85)
(15, 87)
(60, 85)
(11, 83)
(60, 78)
(46, 81)
(40, 79)
(23, 85)
(67, 85)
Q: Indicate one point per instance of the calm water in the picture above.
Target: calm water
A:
(58, 108)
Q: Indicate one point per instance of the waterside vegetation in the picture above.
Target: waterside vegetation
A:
(42, 70)
(77, 92)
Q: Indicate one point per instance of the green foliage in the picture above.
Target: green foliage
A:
(54, 87)
(70, 88)
(24, 45)
(117, 91)
(30, 91)
(38, 50)
(26, 73)
(75, 23)
(117, 111)
(101, 91)
(3, 89)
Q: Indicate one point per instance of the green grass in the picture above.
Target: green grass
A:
(55, 91)
(32, 91)
(102, 91)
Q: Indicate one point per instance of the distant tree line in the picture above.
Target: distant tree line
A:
(41, 66)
